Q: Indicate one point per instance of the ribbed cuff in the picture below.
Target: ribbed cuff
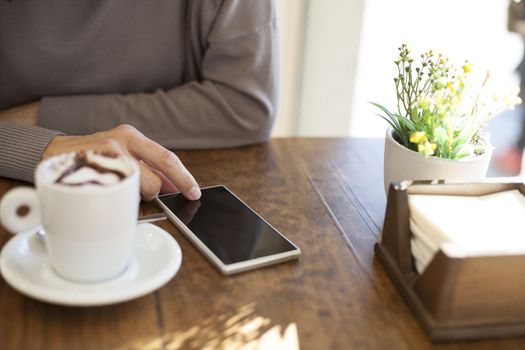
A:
(21, 148)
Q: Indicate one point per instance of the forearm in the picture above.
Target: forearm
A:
(25, 114)
(196, 115)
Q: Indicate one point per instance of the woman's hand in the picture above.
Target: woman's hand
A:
(160, 169)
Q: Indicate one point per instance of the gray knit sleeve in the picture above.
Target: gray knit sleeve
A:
(230, 99)
(21, 148)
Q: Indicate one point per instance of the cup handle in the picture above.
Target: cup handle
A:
(12, 208)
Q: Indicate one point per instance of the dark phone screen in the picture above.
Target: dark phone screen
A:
(230, 229)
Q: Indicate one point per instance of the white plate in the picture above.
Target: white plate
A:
(25, 265)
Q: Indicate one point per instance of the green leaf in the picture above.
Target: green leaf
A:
(440, 135)
(395, 127)
(462, 150)
(397, 122)
(387, 112)
(406, 122)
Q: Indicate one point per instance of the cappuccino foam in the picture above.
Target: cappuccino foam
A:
(93, 168)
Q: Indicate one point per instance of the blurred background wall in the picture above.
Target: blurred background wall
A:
(338, 54)
(319, 46)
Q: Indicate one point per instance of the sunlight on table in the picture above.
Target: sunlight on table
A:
(242, 329)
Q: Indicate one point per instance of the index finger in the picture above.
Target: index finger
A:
(167, 163)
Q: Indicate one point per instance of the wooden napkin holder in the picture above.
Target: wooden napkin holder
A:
(454, 298)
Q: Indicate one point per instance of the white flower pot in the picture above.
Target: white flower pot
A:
(404, 164)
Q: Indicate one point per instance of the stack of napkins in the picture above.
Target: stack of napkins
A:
(492, 224)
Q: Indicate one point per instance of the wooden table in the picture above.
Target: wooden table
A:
(327, 196)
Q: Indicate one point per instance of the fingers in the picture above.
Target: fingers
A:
(173, 169)
(150, 183)
(162, 160)
(161, 169)
(167, 185)
(111, 146)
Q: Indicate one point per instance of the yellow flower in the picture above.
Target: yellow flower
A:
(418, 137)
(466, 67)
(427, 148)
(423, 103)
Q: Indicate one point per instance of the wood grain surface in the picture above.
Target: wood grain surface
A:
(326, 195)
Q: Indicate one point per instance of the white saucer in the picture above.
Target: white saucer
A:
(25, 265)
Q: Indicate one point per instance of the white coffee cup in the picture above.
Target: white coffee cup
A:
(89, 229)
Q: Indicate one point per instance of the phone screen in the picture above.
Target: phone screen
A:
(227, 226)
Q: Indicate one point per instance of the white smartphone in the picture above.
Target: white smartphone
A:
(227, 231)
